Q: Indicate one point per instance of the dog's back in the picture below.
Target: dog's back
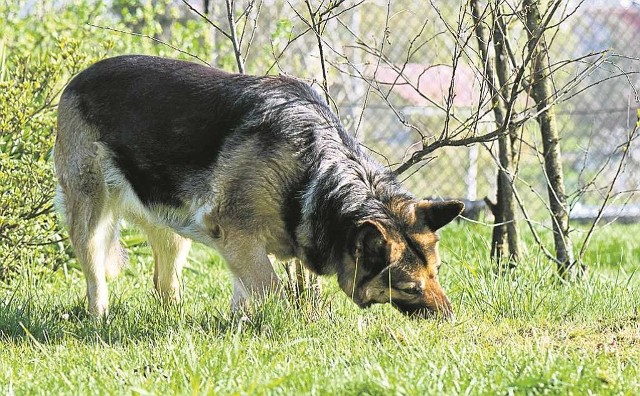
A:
(163, 119)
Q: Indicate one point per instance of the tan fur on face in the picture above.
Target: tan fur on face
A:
(413, 263)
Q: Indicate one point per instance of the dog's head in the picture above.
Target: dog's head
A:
(397, 261)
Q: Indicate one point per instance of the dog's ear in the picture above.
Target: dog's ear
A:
(437, 214)
(371, 241)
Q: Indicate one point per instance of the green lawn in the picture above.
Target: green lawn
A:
(520, 333)
(523, 332)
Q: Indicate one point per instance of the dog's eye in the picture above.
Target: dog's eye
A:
(413, 290)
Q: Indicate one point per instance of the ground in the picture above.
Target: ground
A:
(522, 332)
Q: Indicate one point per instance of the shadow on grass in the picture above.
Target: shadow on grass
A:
(32, 319)
(26, 319)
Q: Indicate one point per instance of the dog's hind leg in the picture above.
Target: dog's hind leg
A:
(93, 232)
(116, 256)
(88, 208)
(170, 252)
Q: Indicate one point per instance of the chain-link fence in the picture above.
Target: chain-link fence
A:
(403, 73)
(390, 68)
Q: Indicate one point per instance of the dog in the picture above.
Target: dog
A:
(247, 165)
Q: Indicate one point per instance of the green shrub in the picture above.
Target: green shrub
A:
(41, 48)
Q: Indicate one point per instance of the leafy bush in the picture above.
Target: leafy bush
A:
(41, 48)
(36, 61)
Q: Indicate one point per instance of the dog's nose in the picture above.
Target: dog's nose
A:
(428, 313)
(433, 307)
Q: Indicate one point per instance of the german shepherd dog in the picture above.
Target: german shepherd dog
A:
(247, 165)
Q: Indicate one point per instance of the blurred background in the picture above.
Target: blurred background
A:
(401, 74)
(595, 116)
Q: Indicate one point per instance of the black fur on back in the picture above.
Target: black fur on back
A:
(166, 118)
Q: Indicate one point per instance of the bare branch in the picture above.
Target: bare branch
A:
(151, 38)
(605, 201)
(253, 29)
(316, 30)
(206, 18)
(233, 37)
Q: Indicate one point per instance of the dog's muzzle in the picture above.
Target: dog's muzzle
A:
(421, 311)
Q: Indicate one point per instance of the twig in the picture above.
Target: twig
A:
(605, 201)
(253, 29)
(152, 38)
(233, 37)
(316, 30)
(209, 21)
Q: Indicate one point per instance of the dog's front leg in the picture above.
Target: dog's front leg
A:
(170, 252)
(240, 297)
(254, 277)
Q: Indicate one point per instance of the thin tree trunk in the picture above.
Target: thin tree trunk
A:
(506, 141)
(498, 235)
(541, 92)
(504, 209)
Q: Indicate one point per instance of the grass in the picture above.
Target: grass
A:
(522, 332)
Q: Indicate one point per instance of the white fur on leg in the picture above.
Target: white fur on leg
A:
(254, 275)
(116, 256)
(240, 296)
(94, 261)
(98, 297)
(170, 252)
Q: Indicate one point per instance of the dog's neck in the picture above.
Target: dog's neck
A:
(345, 188)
